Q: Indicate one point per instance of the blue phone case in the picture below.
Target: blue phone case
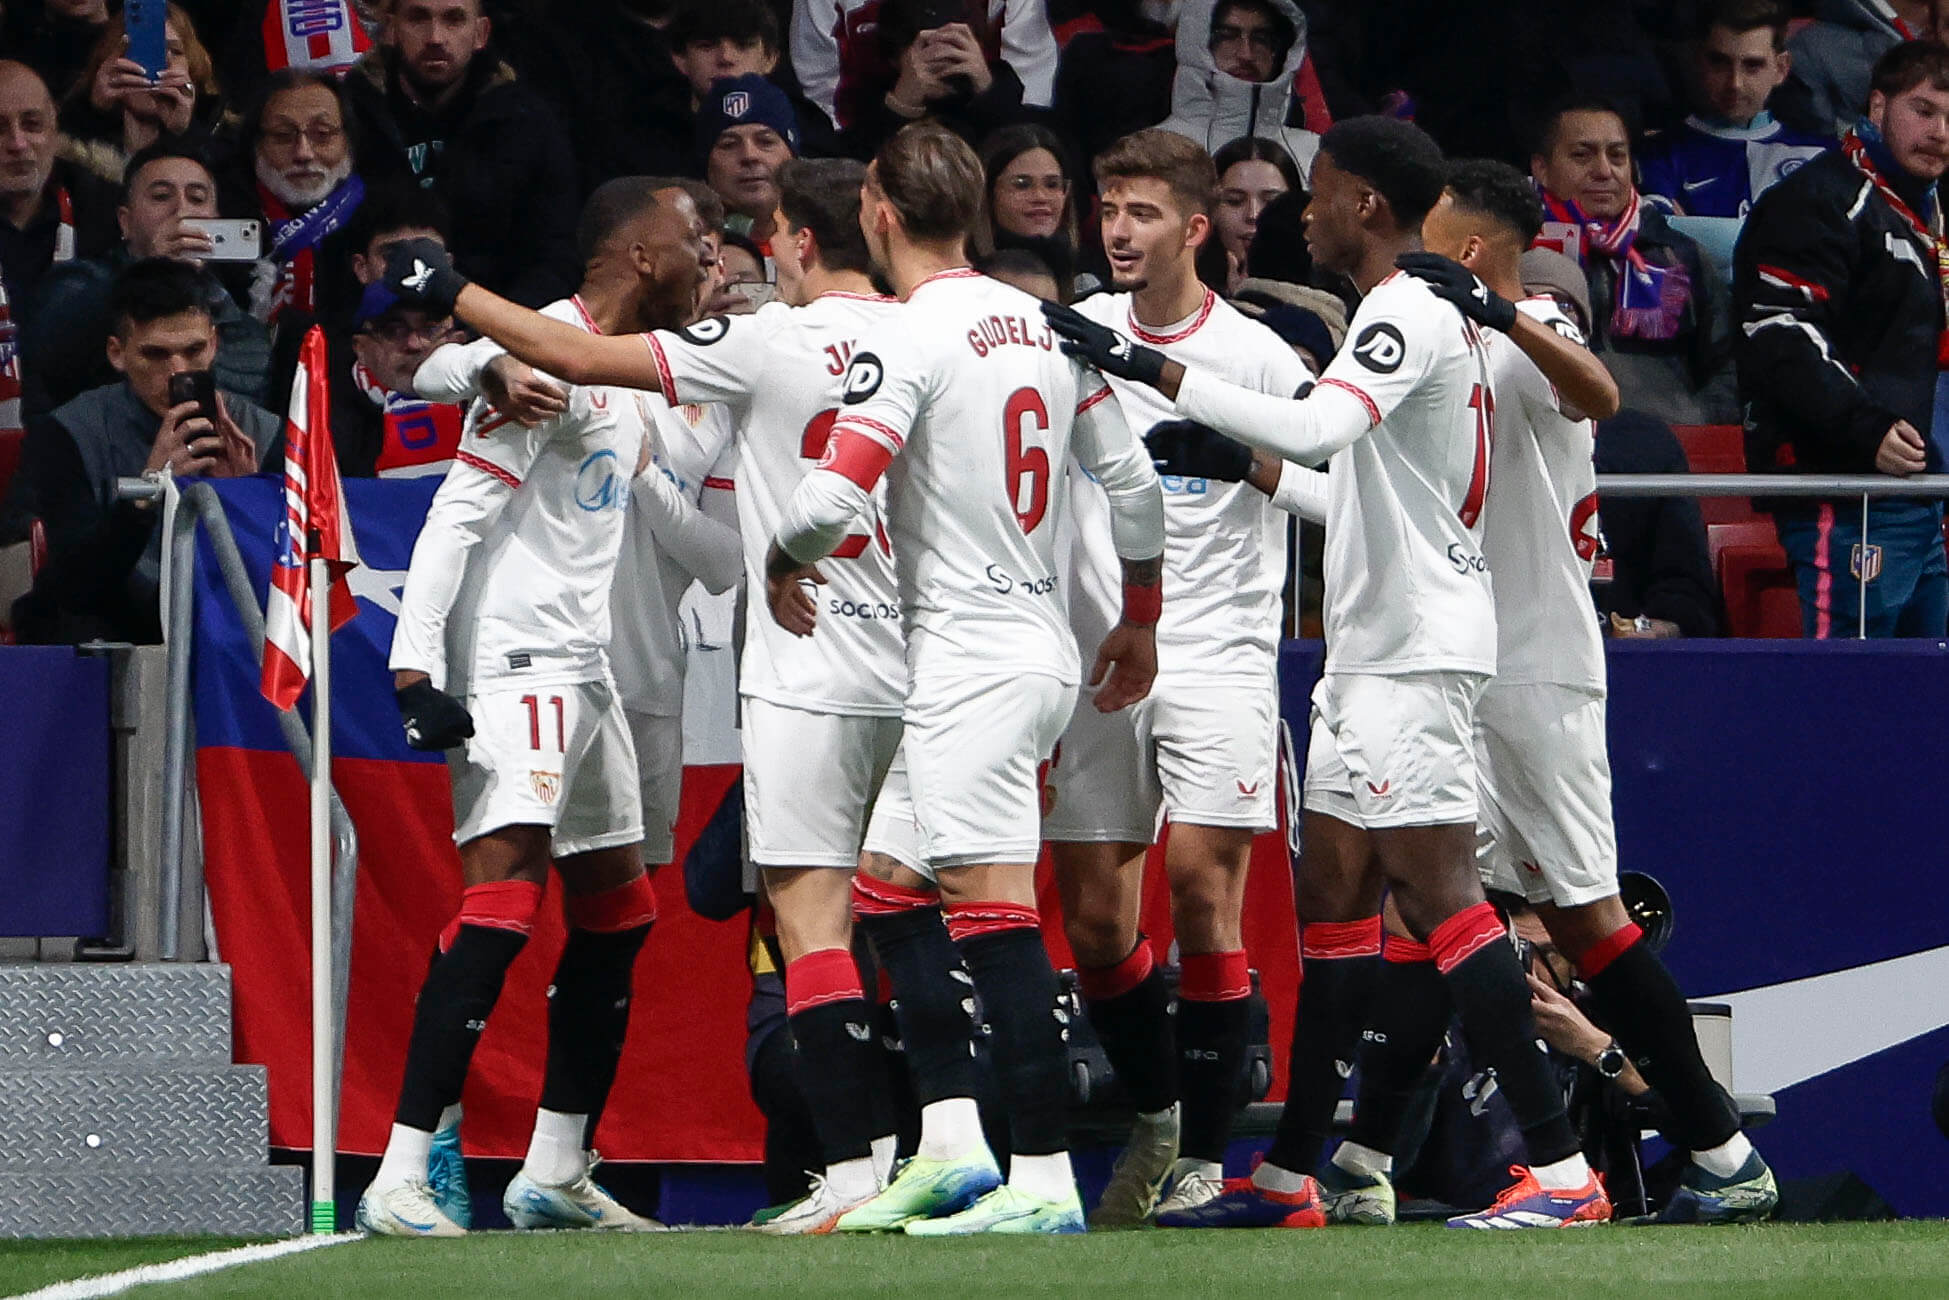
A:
(147, 23)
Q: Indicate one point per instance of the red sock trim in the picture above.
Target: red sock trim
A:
(1399, 948)
(973, 920)
(1101, 983)
(882, 987)
(878, 898)
(626, 907)
(1214, 976)
(817, 978)
(1607, 950)
(497, 905)
(1464, 934)
(1333, 939)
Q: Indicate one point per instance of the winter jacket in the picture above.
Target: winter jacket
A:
(1111, 83)
(498, 156)
(1215, 108)
(1832, 57)
(1840, 315)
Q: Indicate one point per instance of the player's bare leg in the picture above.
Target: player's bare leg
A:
(1432, 870)
(1206, 867)
(609, 906)
(1337, 894)
(1643, 1005)
(900, 912)
(836, 1058)
(1102, 891)
(502, 872)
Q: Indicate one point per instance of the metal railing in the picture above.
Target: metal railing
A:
(1868, 487)
(199, 504)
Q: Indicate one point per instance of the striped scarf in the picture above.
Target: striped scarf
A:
(1862, 144)
(1649, 301)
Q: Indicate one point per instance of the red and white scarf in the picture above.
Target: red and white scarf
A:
(1649, 301)
(1929, 231)
(322, 34)
(420, 437)
(10, 332)
(294, 245)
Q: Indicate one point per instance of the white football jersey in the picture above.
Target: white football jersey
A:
(966, 388)
(515, 589)
(1539, 526)
(1409, 407)
(779, 373)
(1224, 543)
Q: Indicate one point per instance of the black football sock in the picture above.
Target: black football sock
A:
(455, 1002)
(835, 1051)
(1214, 1016)
(1404, 1031)
(1638, 998)
(1002, 945)
(1485, 979)
(1339, 963)
(931, 986)
(588, 1020)
(1130, 1010)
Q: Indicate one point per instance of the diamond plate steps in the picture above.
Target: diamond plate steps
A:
(78, 1014)
(76, 1120)
(242, 1201)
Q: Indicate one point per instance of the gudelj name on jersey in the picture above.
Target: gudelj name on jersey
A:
(1000, 331)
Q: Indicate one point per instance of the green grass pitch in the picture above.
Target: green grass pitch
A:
(1877, 1260)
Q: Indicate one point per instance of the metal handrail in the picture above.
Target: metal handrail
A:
(1771, 485)
(200, 502)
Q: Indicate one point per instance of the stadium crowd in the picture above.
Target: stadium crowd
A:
(345, 131)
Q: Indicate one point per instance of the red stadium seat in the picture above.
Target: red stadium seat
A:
(1761, 600)
(10, 440)
(1713, 448)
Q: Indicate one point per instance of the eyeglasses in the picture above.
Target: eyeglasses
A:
(1022, 183)
(401, 332)
(1259, 38)
(321, 134)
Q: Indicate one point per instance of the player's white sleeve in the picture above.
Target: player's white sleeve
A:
(1308, 430)
(470, 499)
(703, 547)
(1301, 491)
(1029, 47)
(1104, 445)
(887, 385)
(826, 507)
(719, 359)
(452, 373)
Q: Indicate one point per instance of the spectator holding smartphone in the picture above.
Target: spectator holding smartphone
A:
(104, 556)
(116, 110)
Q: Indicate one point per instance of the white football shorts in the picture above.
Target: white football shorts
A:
(1545, 829)
(659, 742)
(554, 756)
(892, 830)
(1204, 751)
(974, 744)
(1393, 751)
(809, 782)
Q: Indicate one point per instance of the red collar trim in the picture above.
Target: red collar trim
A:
(957, 273)
(588, 321)
(857, 297)
(1197, 322)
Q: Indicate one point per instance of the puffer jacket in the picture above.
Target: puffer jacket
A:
(1215, 108)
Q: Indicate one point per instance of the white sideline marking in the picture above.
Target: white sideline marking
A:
(176, 1270)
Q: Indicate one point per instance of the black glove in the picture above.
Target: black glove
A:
(421, 270)
(1193, 450)
(434, 719)
(1103, 347)
(1457, 284)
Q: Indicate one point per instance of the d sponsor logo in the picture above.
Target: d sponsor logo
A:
(863, 379)
(1380, 348)
(706, 331)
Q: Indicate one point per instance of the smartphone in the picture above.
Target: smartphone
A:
(147, 22)
(231, 239)
(199, 386)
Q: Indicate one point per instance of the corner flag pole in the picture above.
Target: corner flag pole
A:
(324, 1093)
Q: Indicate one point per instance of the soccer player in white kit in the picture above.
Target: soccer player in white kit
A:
(821, 717)
(1544, 773)
(963, 401)
(1405, 411)
(502, 648)
(1203, 745)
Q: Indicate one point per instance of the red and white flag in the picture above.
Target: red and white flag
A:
(316, 526)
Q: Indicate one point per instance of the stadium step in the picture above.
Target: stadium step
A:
(242, 1201)
(121, 1113)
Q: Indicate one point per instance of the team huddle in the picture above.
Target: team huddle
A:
(1013, 577)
